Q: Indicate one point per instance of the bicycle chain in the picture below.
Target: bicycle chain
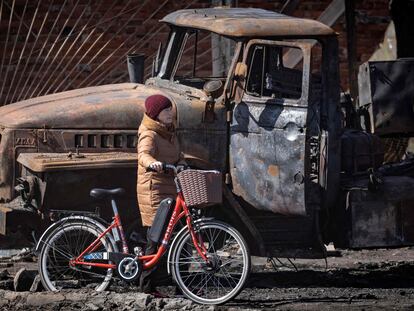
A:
(92, 273)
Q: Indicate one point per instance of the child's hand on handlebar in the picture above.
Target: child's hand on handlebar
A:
(160, 167)
(156, 166)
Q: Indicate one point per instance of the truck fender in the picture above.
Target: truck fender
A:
(53, 226)
(178, 235)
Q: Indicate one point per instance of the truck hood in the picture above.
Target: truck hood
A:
(111, 106)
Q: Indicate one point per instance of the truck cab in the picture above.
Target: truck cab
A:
(273, 120)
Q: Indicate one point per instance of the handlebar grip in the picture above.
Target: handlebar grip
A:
(164, 167)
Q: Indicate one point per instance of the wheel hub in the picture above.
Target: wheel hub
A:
(213, 264)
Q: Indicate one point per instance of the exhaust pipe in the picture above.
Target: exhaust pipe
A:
(136, 67)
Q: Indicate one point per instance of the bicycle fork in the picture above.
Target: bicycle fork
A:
(196, 238)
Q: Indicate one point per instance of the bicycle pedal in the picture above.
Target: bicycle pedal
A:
(138, 251)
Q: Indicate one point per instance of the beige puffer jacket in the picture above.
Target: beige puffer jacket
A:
(155, 143)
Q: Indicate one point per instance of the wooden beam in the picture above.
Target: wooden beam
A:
(351, 47)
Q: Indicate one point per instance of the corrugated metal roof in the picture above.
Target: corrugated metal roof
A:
(241, 22)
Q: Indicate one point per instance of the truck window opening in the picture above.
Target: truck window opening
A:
(202, 60)
(268, 75)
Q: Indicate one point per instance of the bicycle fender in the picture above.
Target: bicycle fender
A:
(71, 218)
(181, 232)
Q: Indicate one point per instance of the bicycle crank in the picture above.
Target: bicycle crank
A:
(128, 267)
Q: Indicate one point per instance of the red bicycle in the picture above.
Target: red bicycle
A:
(209, 259)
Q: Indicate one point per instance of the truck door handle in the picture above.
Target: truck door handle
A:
(298, 178)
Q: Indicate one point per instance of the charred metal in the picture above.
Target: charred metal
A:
(273, 126)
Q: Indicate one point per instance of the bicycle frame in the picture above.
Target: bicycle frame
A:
(180, 210)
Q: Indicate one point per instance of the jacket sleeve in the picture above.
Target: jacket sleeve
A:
(146, 149)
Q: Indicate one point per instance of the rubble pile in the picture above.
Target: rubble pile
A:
(18, 272)
(91, 300)
(21, 288)
(365, 279)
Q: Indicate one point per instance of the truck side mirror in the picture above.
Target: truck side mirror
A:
(241, 71)
(212, 89)
(239, 82)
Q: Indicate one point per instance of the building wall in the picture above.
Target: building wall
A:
(103, 31)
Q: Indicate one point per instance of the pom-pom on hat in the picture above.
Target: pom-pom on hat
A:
(154, 104)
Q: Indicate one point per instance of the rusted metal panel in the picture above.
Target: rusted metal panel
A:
(67, 181)
(238, 22)
(373, 221)
(19, 141)
(386, 91)
(379, 223)
(205, 140)
(97, 119)
(376, 218)
(267, 156)
(107, 107)
(267, 145)
(45, 162)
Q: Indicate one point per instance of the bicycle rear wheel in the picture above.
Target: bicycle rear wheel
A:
(224, 277)
(66, 243)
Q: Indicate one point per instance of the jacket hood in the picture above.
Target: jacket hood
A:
(152, 125)
(111, 106)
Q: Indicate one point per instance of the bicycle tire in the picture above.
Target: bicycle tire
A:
(65, 243)
(207, 281)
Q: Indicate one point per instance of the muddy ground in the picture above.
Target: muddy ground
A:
(353, 280)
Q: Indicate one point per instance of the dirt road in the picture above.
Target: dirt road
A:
(353, 280)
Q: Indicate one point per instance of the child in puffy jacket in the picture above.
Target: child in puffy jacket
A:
(157, 144)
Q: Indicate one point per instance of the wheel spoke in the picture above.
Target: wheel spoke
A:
(223, 276)
(68, 256)
(67, 243)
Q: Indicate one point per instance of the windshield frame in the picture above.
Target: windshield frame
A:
(174, 50)
(169, 59)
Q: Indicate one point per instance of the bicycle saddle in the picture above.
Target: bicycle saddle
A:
(104, 193)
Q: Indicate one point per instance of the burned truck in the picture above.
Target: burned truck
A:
(299, 171)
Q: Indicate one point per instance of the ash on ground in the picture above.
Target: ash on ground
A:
(349, 280)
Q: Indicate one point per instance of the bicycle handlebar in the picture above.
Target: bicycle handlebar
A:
(165, 167)
(170, 167)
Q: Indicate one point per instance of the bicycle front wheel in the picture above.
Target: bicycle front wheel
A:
(224, 276)
(66, 243)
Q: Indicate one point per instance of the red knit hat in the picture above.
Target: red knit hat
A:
(154, 104)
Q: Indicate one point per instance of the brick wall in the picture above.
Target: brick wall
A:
(104, 31)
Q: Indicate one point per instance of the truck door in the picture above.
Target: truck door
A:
(268, 128)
